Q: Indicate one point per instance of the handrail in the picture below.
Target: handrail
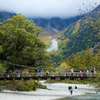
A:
(51, 74)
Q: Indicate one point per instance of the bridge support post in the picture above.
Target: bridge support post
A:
(89, 79)
(22, 79)
(68, 78)
(58, 78)
(39, 78)
(78, 79)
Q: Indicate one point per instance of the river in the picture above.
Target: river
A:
(54, 45)
(55, 91)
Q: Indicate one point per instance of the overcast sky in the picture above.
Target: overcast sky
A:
(46, 8)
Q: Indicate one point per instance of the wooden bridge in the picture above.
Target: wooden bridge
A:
(51, 75)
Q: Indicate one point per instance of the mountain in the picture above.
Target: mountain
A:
(55, 23)
(77, 36)
(50, 26)
(5, 15)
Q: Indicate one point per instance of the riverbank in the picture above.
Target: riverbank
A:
(54, 91)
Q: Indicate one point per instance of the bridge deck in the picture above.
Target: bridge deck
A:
(51, 75)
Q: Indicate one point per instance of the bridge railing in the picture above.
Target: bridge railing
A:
(51, 74)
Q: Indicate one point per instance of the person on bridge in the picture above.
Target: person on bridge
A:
(29, 73)
(47, 72)
(36, 72)
(20, 73)
(87, 72)
(72, 72)
(16, 73)
(94, 70)
(4, 72)
(80, 73)
(66, 72)
(41, 72)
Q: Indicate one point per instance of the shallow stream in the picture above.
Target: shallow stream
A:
(56, 91)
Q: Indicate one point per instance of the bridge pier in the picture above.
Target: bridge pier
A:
(22, 79)
(68, 78)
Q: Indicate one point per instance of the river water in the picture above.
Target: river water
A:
(54, 45)
(56, 91)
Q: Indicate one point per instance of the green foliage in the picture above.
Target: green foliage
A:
(26, 85)
(19, 42)
(79, 35)
(23, 88)
(84, 60)
(76, 81)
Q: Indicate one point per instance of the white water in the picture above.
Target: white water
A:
(54, 45)
(54, 91)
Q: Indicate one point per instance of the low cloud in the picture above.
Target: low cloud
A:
(45, 8)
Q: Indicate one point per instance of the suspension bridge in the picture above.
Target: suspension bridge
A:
(44, 75)
(51, 75)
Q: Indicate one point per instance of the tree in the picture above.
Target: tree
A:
(88, 58)
(19, 42)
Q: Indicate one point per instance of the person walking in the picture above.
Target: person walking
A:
(94, 70)
(38, 72)
(71, 91)
(16, 73)
(66, 72)
(87, 73)
(41, 72)
(4, 73)
(80, 73)
(20, 73)
(72, 72)
(47, 72)
(29, 73)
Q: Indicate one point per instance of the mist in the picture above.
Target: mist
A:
(46, 8)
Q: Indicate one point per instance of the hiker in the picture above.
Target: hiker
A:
(4, 73)
(29, 73)
(20, 73)
(80, 73)
(38, 72)
(66, 72)
(16, 73)
(47, 72)
(75, 87)
(71, 90)
(72, 72)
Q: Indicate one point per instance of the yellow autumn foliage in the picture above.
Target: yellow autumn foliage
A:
(62, 67)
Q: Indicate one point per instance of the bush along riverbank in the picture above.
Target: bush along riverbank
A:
(77, 81)
(25, 85)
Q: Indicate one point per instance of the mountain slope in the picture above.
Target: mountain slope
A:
(50, 26)
(55, 22)
(5, 15)
(79, 35)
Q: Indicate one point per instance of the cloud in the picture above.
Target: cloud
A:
(44, 8)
